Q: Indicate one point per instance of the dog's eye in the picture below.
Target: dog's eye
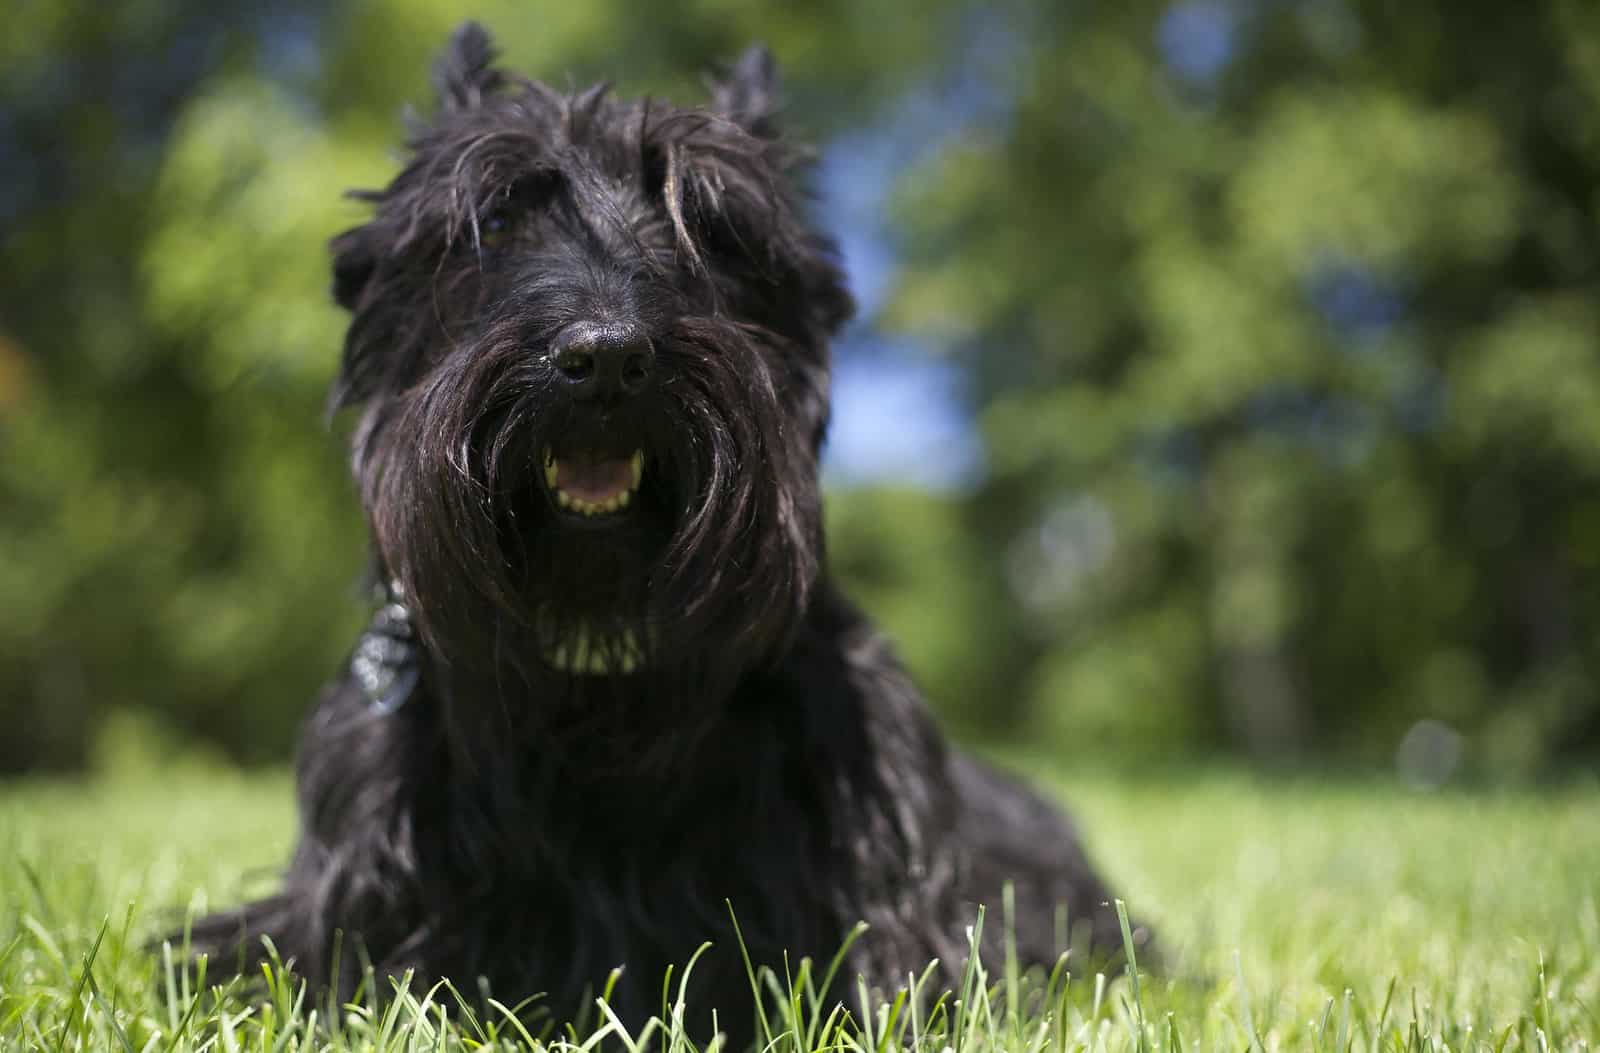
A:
(496, 228)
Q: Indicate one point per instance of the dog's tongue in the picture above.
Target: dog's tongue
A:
(593, 479)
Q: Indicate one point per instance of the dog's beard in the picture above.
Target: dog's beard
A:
(703, 575)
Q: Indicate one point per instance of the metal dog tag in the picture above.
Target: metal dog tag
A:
(386, 663)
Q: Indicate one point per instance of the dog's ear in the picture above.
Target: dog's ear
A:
(748, 92)
(464, 72)
(353, 264)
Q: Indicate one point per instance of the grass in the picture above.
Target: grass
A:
(1297, 915)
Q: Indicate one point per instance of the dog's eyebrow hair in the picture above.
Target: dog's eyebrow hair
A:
(599, 207)
(672, 193)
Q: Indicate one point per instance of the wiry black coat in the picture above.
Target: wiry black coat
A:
(538, 827)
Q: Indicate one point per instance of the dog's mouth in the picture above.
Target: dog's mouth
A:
(589, 485)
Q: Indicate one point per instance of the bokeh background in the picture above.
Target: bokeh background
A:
(1226, 382)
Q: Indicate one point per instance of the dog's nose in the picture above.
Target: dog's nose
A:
(604, 362)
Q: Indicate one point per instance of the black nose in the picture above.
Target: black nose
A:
(605, 362)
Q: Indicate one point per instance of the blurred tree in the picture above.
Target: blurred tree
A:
(1280, 317)
(179, 539)
(118, 456)
(1284, 324)
(907, 557)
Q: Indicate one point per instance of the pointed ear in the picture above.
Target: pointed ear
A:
(747, 93)
(464, 72)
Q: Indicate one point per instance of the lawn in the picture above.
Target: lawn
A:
(1297, 915)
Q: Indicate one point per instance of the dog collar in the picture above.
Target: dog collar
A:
(386, 663)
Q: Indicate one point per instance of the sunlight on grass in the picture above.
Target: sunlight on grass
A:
(1292, 915)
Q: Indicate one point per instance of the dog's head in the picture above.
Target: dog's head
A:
(589, 348)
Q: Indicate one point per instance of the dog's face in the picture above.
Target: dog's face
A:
(589, 343)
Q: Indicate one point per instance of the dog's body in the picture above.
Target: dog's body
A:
(615, 692)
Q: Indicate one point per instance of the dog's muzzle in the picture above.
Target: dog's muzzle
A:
(604, 363)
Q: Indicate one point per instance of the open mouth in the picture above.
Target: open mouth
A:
(593, 486)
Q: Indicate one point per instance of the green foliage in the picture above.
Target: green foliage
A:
(1283, 359)
(180, 543)
(1310, 336)
(1353, 918)
(909, 558)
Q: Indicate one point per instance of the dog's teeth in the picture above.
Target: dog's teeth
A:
(584, 507)
(636, 463)
(550, 474)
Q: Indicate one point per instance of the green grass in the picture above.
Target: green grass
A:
(1297, 915)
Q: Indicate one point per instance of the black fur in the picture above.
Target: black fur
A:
(537, 827)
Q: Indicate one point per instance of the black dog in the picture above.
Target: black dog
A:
(613, 690)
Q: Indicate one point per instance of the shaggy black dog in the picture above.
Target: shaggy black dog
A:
(613, 689)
